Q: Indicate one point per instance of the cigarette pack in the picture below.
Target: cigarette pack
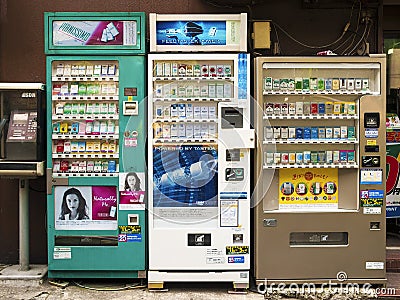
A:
(299, 132)
(321, 108)
(343, 132)
(298, 81)
(299, 108)
(292, 108)
(268, 83)
(314, 133)
(328, 84)
(358, 84)
(284, 108)
(335, 84)
(306, 108)
(321, 132)
(284, 132)
(277, 132)
(189, 91)
(269, 108)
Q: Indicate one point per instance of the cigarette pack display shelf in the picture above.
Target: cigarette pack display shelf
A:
(193, 99)
(310, 117)
(185, 120)
(85, 98)
(190, 78)
(63, 111)
(87, 155)
(85, 136)
(266, 92)
(86, 117)
(311, 166)
(115, 174)
(82, 78)
(310, 141)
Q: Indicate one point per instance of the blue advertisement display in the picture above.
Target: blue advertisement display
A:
(191, 33)
(185, 176)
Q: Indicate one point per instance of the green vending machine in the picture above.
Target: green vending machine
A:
(96, 182)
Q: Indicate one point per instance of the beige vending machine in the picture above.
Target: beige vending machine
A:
(320, 170)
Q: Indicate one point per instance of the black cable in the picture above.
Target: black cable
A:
(212, 3)
(277, 40)
(353, 35)
(357, 27)
(366, 29)
(249, 39)
(346, 27)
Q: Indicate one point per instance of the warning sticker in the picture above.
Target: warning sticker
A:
(237, 250)
(374, 265)
(372, 210)
(371, 198)
(129, 229)
(62, 253)
(215, 260)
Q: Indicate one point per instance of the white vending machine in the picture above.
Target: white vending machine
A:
(199, 144)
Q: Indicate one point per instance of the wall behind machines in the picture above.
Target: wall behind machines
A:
(22, 59)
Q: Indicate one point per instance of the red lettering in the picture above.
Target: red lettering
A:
(392, 173)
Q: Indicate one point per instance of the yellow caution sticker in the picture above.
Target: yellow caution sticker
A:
(129, 228)
(237, 250)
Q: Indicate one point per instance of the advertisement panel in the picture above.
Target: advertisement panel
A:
(132, 190)
(197, 32)
(83, 33)
(85, 207)
(185, 179)
(308, 188)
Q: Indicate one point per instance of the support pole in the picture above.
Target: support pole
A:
(23, 224)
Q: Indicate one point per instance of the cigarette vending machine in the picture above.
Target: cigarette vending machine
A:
(199, 151)
(320, 161)
(96, 144)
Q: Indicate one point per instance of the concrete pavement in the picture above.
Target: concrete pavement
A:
(118, 290)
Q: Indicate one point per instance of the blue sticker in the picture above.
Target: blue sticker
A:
(236, 259)
(375, 194)
(136, 237)
(371, 132)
